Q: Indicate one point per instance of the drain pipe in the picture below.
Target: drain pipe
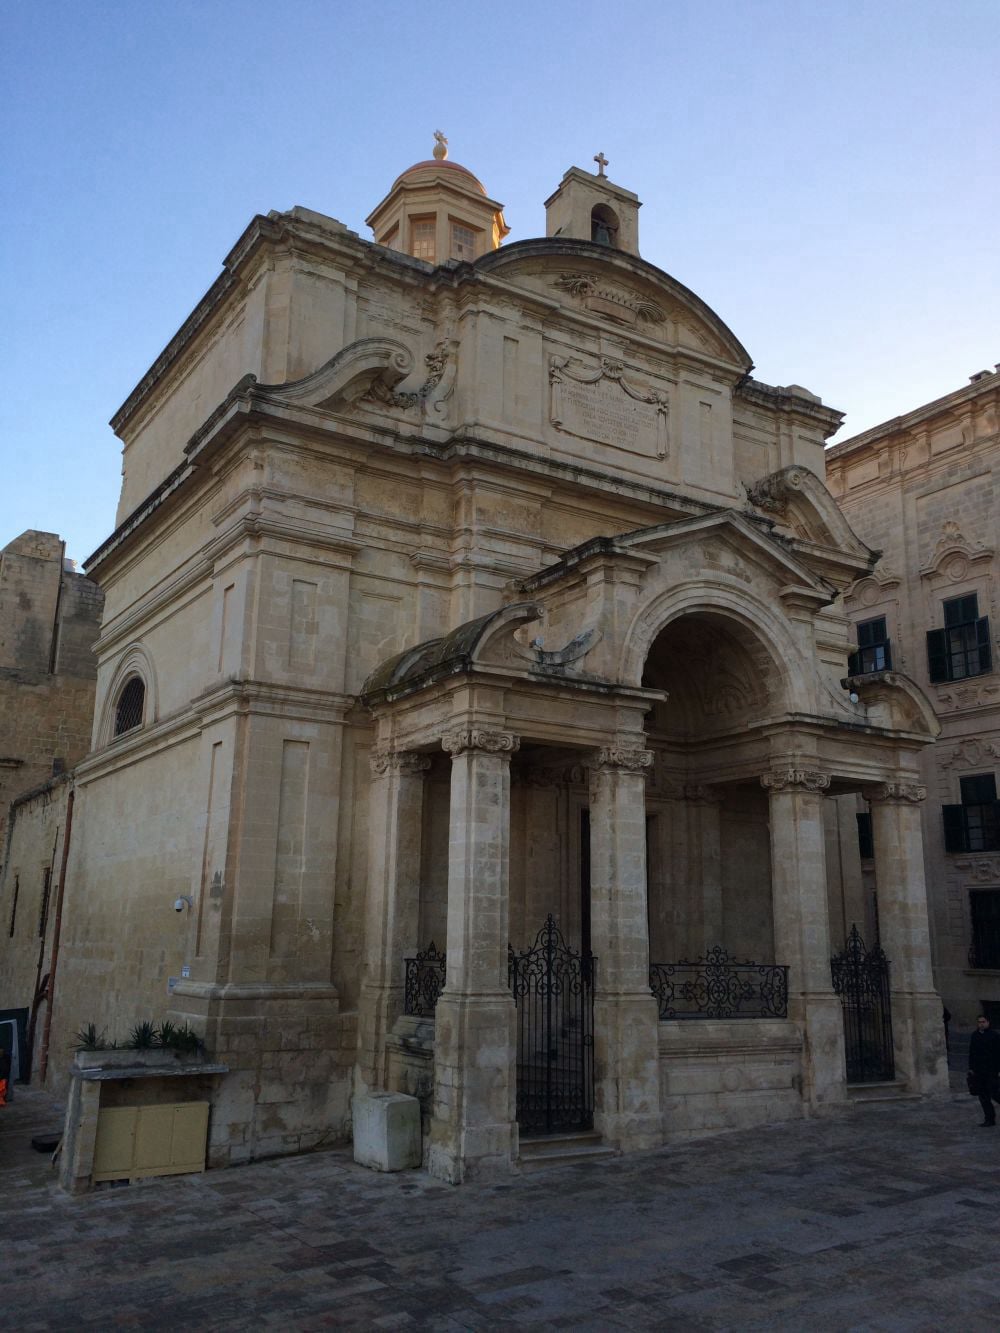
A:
(57, 927)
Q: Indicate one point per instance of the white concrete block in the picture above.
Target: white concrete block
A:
(387, 1131)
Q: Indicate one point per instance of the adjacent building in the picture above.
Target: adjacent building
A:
(925, 489)
(50, 617)
(469, 716)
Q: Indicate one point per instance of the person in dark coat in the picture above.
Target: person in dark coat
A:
(984, 1065)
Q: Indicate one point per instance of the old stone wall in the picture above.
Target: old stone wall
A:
(49, 621)
(924, 489)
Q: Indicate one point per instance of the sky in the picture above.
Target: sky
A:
(823, 173)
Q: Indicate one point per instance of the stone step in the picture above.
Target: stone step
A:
(895, 1091)
(548, 1150)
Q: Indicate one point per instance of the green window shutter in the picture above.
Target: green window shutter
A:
(983, 644)
(937, 655)
(954, 828)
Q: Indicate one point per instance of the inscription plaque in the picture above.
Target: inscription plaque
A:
(605, 406)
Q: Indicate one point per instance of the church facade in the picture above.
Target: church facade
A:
(470, 711)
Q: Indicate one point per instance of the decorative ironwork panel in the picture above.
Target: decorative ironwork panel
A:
(861, 979)
(553, 987)
(424, 982)
(717, 986)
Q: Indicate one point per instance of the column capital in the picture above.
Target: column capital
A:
(479, 738)
(385, 760)
(895, 793)
(796, 779)
(628, 759)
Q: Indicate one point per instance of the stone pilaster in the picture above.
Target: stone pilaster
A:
(704, 806)
(392, 903)
(904, 933)
(626, 1036)
(473, 1128)
(802, 927)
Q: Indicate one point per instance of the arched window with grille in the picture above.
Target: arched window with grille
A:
(130, 706)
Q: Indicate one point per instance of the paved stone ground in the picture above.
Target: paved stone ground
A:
(885, 1219)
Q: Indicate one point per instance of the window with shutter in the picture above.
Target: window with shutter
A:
(873, 648)
(963, 647)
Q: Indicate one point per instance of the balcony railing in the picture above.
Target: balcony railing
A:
(717, 986)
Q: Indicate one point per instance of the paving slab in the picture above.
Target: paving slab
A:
(881, 1219)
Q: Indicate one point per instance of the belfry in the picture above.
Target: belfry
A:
(486, 615)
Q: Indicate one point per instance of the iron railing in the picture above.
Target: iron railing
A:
(717, 986)
(424, 982)
(861, 979)
(553, 989)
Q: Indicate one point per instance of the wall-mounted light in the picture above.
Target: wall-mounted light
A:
(182, 902)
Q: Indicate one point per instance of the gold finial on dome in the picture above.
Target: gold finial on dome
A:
(440, 146)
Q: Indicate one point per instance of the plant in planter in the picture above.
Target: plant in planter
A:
(89, 1039)
(143, 1037)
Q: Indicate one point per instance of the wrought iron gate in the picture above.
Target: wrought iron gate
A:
(553, 988)
(861, 979)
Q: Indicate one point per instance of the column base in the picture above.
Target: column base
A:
(918, 1041)
(627, 1071)
(473, 1128)
(824, 1065)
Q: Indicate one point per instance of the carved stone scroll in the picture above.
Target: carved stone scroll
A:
(384, 760)
(631, 761)
(795, 779)
(478, 738)
(896, 793)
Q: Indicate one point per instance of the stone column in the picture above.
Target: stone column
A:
(395, 813)
(802, 928)
(917, 1027)
(626, 1024)
(473, 1129)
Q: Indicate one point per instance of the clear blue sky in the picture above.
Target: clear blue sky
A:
(824, 174)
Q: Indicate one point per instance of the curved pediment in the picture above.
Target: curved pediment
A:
(619, 288)
(806, 514)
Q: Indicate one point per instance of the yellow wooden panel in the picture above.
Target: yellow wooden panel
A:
(187, 1149)
(153, 1134)
(115, 1143)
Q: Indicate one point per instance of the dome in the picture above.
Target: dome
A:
(431, 164)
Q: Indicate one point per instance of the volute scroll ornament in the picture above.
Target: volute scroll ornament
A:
(407, 762)
(628, 760)
(896, 793)
(795, 779)
(479, 738)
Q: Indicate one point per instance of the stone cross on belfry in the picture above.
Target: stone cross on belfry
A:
(601, 161)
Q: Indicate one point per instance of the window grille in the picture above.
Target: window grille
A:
(963, 647)
(131, 703)
(974, 826)
(874, 651)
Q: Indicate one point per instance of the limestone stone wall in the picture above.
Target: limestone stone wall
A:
(923, 489)
(49, 620)
(28, 894)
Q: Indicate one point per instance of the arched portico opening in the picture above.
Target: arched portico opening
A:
(709, 866)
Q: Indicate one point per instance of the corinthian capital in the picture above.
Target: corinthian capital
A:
(478, 738)
(631, 761)
(896, 793)
(383, 760)
(795, 779)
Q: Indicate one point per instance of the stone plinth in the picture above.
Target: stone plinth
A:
(386, 1131)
